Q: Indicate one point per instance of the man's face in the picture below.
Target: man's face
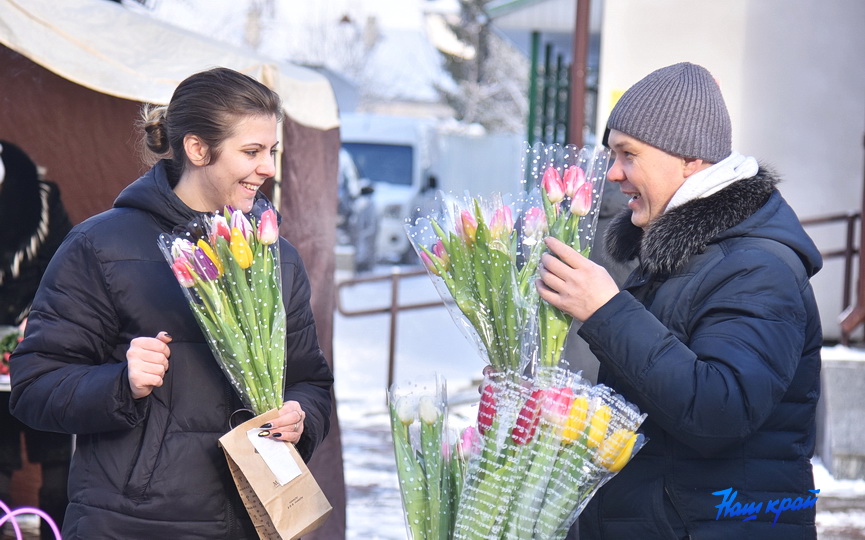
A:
(648, 175)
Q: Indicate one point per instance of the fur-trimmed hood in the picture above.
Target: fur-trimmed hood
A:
(741, 209)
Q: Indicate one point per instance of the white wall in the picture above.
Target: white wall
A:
(793, 77)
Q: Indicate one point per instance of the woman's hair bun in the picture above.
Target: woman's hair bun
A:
(155, 134)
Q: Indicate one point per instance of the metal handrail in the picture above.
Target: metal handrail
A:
(395, 307)
(849, 251)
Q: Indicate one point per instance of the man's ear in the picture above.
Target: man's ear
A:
(197, 151)
(693, 165)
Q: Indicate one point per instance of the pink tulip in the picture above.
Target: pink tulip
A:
(469, 443)
(536, 223)
(556, 404)
(446, 449)
(581, 202)
(268, 230)
(553, 185)
(439, 256)
(467, 227)
(429, 263)
(439, 251)
(502, 223)
(574, 178)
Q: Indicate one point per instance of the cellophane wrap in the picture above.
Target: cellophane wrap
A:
(545, 438)
(227, 264)
(482, 253)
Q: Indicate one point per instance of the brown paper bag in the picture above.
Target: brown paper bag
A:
(278, 511)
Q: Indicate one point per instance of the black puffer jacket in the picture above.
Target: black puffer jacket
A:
(717, 337)
(149, 468)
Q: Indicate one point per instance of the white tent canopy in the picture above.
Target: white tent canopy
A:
(81, 41)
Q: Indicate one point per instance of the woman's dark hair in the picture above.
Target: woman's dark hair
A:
(208, 105)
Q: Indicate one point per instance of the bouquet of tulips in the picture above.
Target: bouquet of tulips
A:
(547, 438)
(483, 254)
(228, 266)
(540, 449)
(548, 443)
(429, 468)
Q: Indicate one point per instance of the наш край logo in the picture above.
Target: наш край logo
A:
(729, 507)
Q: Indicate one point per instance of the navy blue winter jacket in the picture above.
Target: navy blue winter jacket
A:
(717, 337)
(147, 468)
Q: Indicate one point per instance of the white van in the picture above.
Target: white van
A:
(397, 154)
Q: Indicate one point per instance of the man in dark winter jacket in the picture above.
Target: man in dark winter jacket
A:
(715, 335)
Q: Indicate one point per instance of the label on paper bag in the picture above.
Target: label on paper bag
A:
(276, 455)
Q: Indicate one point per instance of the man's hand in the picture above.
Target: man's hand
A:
(572, 282)
(147, 362)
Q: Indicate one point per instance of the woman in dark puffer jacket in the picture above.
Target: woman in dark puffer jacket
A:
(113, 353)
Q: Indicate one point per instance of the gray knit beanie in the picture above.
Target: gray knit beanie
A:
(678, 109)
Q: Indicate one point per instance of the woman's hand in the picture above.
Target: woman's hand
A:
(147, 362)
(288, 426)
(573, 283)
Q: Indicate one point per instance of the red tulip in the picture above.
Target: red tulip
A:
(182, 272)
(553, 185)
(486, 409)
(219, 227)
(528, 419)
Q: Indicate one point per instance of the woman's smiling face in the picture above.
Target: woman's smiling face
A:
(242, 164)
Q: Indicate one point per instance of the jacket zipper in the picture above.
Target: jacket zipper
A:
(678, 512)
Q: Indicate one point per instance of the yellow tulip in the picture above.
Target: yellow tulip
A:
(625, 455)
(576, 421)
(240, 248)
(205, 247)
(598, 426)
(615, 451)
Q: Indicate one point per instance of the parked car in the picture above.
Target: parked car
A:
(397, 154)
(357, 217)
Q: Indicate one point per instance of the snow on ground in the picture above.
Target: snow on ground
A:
(430, 343)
